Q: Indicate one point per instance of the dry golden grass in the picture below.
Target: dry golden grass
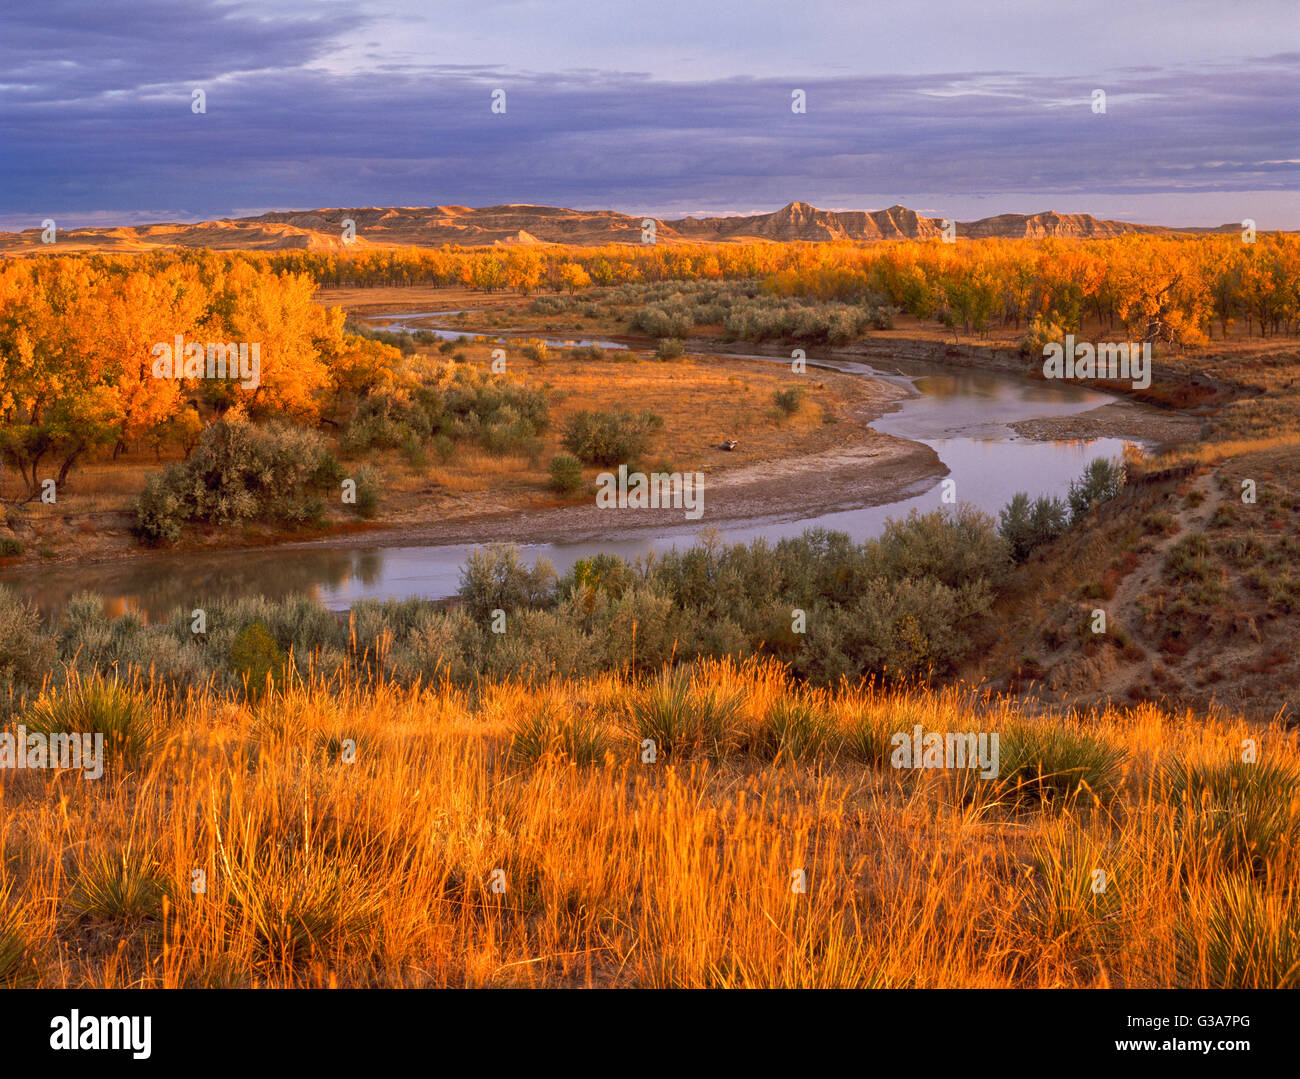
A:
(621, 873)
(1212, 453)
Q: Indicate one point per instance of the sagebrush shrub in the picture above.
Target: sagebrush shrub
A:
(239, 471)
(1026, 526)
(610, 438)
(566, 473)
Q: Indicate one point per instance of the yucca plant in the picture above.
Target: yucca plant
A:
(125, 886)
(1253, 808)
(558, 730)
(124, 716)
(870, 734)
(682, 717)
(1249, 940)
(793, 729)
(1053, 763)
(296, 911)
(1077, 899)
(16, 966)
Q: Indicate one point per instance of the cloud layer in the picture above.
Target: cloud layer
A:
(304, 110)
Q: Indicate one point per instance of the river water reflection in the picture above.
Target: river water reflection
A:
(963, 414)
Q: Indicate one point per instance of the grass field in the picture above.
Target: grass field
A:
(516, 836)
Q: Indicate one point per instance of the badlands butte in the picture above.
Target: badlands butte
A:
(516, 223)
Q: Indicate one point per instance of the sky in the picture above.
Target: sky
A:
(955, 108)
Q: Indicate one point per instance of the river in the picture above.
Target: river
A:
(963, 414)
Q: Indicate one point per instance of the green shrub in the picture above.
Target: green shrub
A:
(440, 646)
(953, 549)
(590, 353)
(496, 578)
(160, 508)
(1042, 331)
(666, 320)
(444, 447)
(26, 650)
(1160, 523)
(239, 471)
(536, 645)
(566, 474)
(255, 659)
(669, 348)
(384, 421)
(793, 318)
(368, 481)
(881, 317)
(10, 548)
(601, 572)
(915, 628)
(1101, 481)
(790, 400)
(1027, 526)
(609, 438)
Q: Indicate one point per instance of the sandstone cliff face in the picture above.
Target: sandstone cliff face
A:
(1050, 223)
(432, 226)
(799, 221)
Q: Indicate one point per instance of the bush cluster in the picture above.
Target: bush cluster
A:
(239, 471)
(908, 605)
(463, 403)
(609, 438)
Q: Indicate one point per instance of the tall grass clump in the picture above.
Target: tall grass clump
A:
(120, 887)
(1080, 885)
(16, 962)
(557, 730)
(1248, 939)
(1253, 809)
(296, 909)
(124, 715)
(793, 728)
(683, 717)
(1052, 762)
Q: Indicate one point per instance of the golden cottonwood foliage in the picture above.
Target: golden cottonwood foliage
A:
(77, 331)
(77, 340)
(1185, 284)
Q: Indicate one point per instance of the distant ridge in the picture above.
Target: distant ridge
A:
(516, 224)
